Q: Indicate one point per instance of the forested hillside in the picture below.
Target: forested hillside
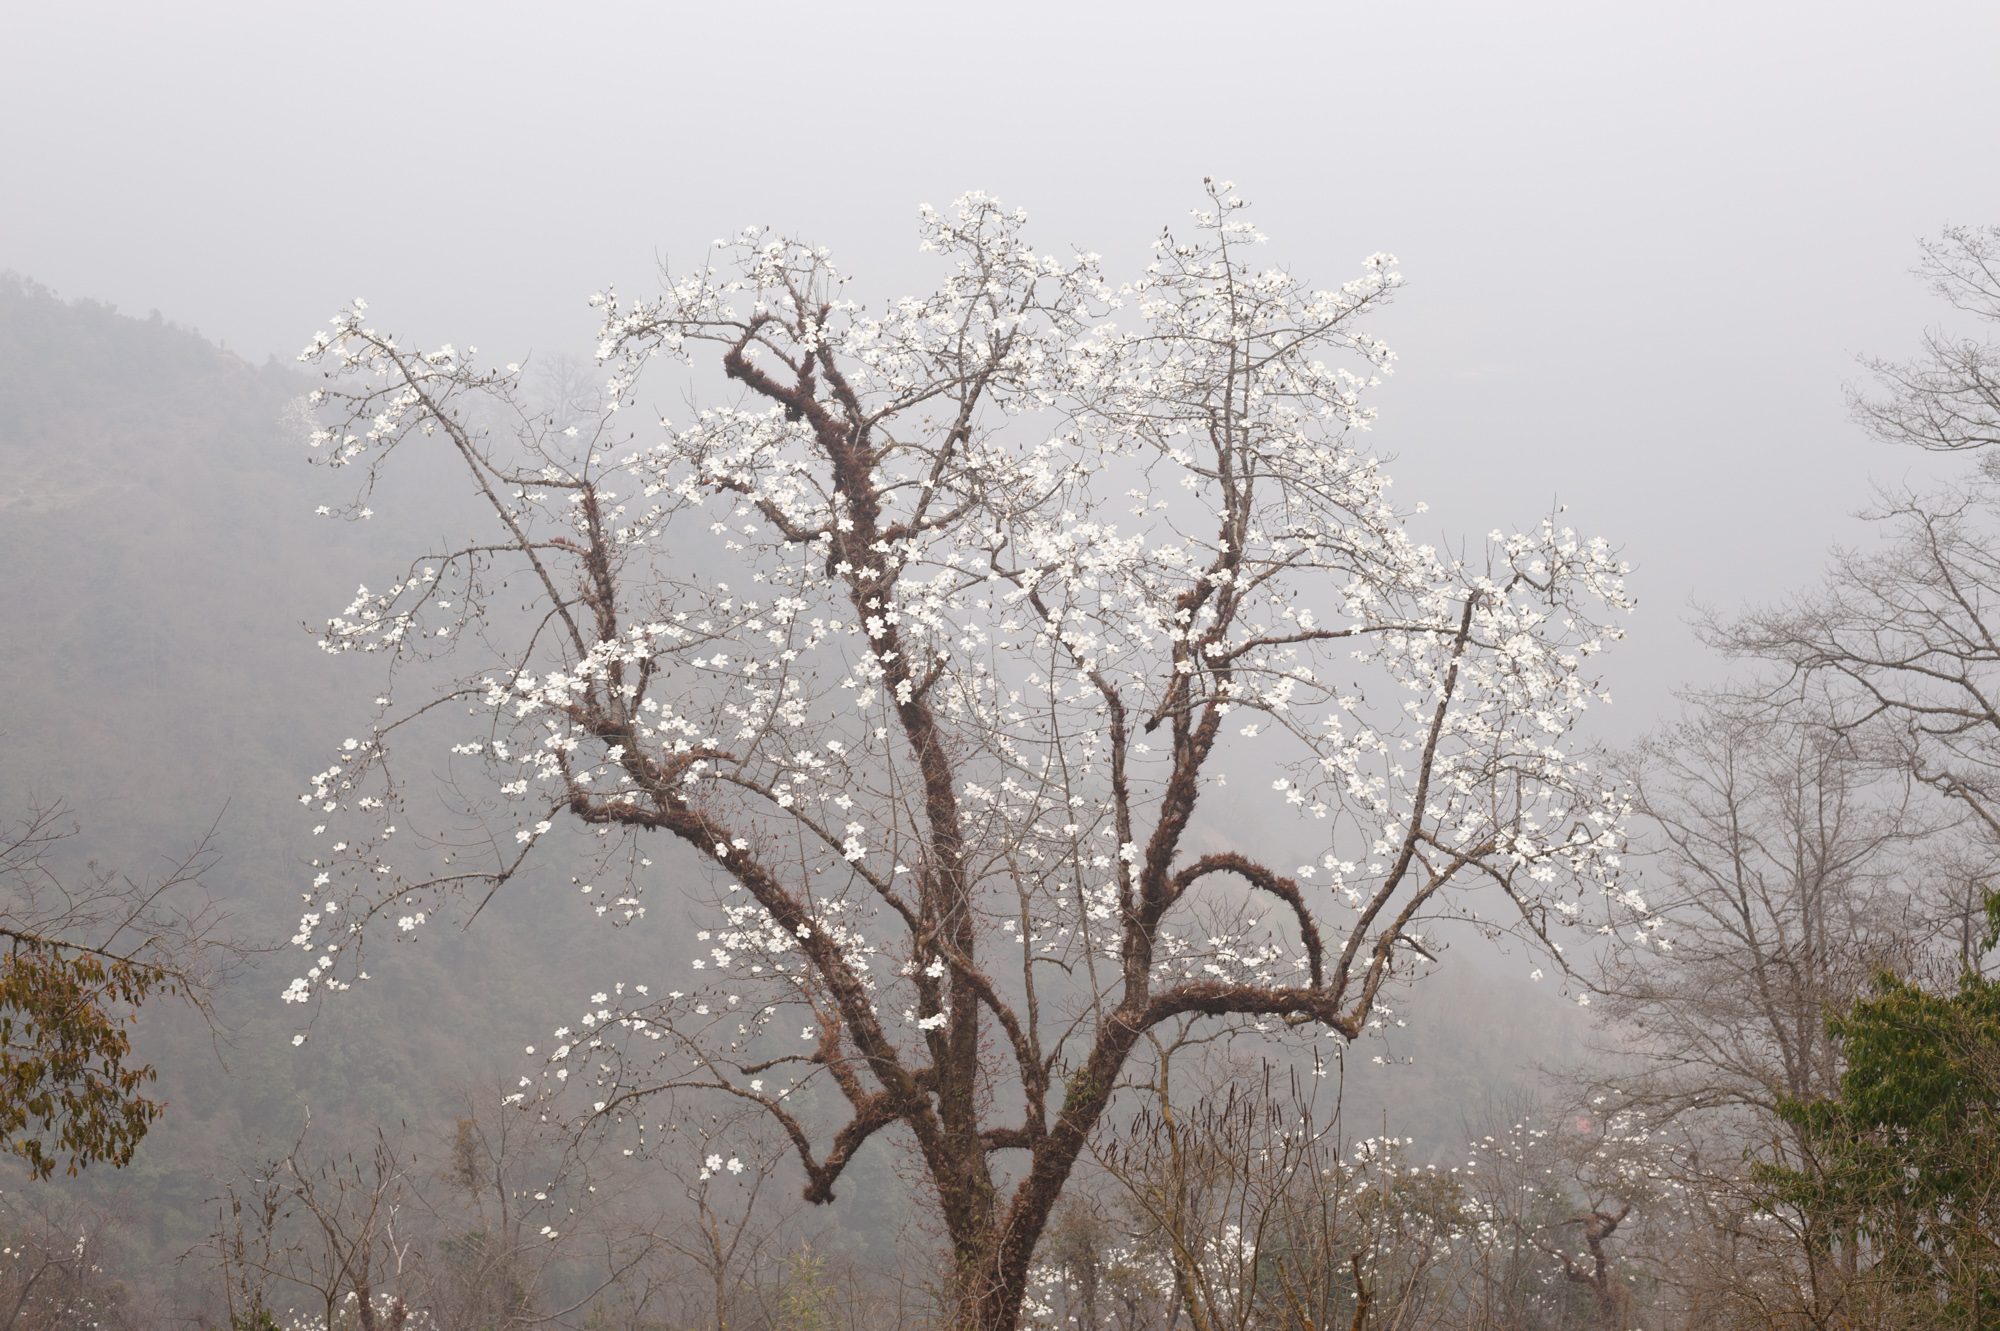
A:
(158, 524)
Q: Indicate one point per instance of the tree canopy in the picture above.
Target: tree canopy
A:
(925, 650)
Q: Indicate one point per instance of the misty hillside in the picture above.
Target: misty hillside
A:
(157, 524)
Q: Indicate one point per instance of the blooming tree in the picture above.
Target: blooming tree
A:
(926, 650)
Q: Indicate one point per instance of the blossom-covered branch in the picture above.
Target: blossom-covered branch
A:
(930, 652)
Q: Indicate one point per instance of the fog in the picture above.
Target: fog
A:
(1645, 247)
(1644, 243)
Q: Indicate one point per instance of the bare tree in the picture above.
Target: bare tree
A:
(723, 1170)
(500, 1244)
(1785, 866)
(1236, 1189)
(1948, 399)
(1209, 1174)
(1903, 634)
(992, 582)
(1902, 638)
(333, 1231)
(570, 390)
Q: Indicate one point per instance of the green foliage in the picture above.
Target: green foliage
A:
(68, 1094)
(807, 1299)
(1904, 1173)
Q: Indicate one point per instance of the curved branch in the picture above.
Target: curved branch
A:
(1261, 878)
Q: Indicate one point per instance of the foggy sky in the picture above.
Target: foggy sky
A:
(1644, 243)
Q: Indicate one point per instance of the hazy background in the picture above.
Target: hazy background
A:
(1644, 246)
(1644, 242)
